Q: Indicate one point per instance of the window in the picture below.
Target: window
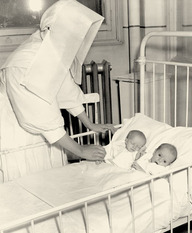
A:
(21, 17)
(95, 5)
(111, 29)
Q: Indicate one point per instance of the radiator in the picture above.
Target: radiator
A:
(96, 78)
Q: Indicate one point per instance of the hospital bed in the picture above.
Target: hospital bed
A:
(86, 197)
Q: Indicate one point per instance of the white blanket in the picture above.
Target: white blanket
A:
(157, 133)
(62, 185)
(59, 186)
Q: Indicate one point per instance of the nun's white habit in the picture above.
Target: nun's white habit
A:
(34, 79)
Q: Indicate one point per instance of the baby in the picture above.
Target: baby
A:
(135, 141)
(161, 158)
(124, 152)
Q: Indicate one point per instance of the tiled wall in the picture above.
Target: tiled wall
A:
(146, 16)
(185, 24)
(142, 17)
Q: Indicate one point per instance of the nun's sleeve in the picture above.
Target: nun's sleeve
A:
(70, 96)
(76, 111)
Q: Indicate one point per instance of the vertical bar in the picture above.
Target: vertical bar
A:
(104, 92)
(96, 121)
(133, 209)
(70, 125)
(164, 94)
(79, 140)
(86, 218)
(84, 79)
(171, 194)
(32, 226)
(110, 214)
(80, 131)
(107, 91)
(136, 109)
(175, 114)
(119, 100)
(142, 83)
(87, 112)
(95, 87)
(153, 204)
(189, 196)
(96, 138)
(60, 222)
(96, 113)
(110, 135)
(153, 83)
(187, 98)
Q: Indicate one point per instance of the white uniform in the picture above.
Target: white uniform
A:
(34, 79)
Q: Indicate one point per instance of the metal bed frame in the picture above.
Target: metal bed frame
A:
(58, 211)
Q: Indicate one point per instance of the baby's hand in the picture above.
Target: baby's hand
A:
(140, 153)
(137, 166)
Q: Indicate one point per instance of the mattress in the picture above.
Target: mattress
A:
(52, 188)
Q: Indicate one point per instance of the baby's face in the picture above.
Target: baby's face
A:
(162, 157)
(134, 143)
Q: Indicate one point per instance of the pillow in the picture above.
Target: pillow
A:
(156, 133)
(141, 122)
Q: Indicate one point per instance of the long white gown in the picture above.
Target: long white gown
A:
(36, 76)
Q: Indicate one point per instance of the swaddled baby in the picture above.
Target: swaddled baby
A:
(163, 156)
(124, 152)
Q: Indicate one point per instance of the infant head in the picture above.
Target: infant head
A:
(135, 140)
(164, 155)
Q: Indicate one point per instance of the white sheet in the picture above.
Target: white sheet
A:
(16, 203)
(156, 134)
(58, 186)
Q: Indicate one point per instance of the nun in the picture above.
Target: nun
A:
(40, 73)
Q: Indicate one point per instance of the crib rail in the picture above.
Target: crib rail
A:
(94, 137)
(59, 212)
(149, 75)
(167, 79)
(165, 94)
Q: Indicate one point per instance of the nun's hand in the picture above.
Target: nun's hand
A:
(93, 152)
(102, 128)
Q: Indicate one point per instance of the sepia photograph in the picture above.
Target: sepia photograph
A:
(95, 116)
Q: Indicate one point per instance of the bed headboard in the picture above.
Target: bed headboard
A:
(167, 78)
